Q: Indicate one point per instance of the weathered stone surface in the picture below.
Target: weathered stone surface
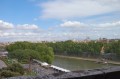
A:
(103, 73)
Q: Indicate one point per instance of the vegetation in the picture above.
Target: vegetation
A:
(16, 67)
(44, 51)
(13, 70)
(24, 55)
(89, 49)
(26, 51)
(8, 73)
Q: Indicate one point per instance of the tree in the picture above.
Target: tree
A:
(22, 55)
(28, 51)
(46, 53)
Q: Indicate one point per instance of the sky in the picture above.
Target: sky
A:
(58, 20)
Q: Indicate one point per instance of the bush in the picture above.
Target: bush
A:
(8, 73)
(16, 67)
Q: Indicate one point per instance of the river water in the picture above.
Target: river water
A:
(77, 64)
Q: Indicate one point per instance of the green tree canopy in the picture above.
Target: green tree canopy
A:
(24, 51)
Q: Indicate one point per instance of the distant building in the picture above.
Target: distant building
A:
(105, 40)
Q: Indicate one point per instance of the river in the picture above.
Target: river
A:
(77, 64)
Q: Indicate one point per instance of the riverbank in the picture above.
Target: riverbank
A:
(88, 59)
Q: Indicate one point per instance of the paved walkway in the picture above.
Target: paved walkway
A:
(2, 64)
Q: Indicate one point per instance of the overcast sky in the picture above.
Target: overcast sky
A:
(36, 20)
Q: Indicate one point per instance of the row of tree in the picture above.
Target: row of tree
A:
(26, 51)
(89, 49)
(44, 51)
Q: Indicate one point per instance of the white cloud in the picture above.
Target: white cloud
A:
(64, 31)
(91, 30)
(72, 24)
(76, 25)
(27, 26)
(5, 25)
(113, 24)
(16, 34)
(78, 8)
(11, 32)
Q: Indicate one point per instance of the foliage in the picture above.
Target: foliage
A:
(8, 73)
(25, 51)
(16, 67)
(87, 49)
(24, 55)
(13, 70)
(70, 48)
